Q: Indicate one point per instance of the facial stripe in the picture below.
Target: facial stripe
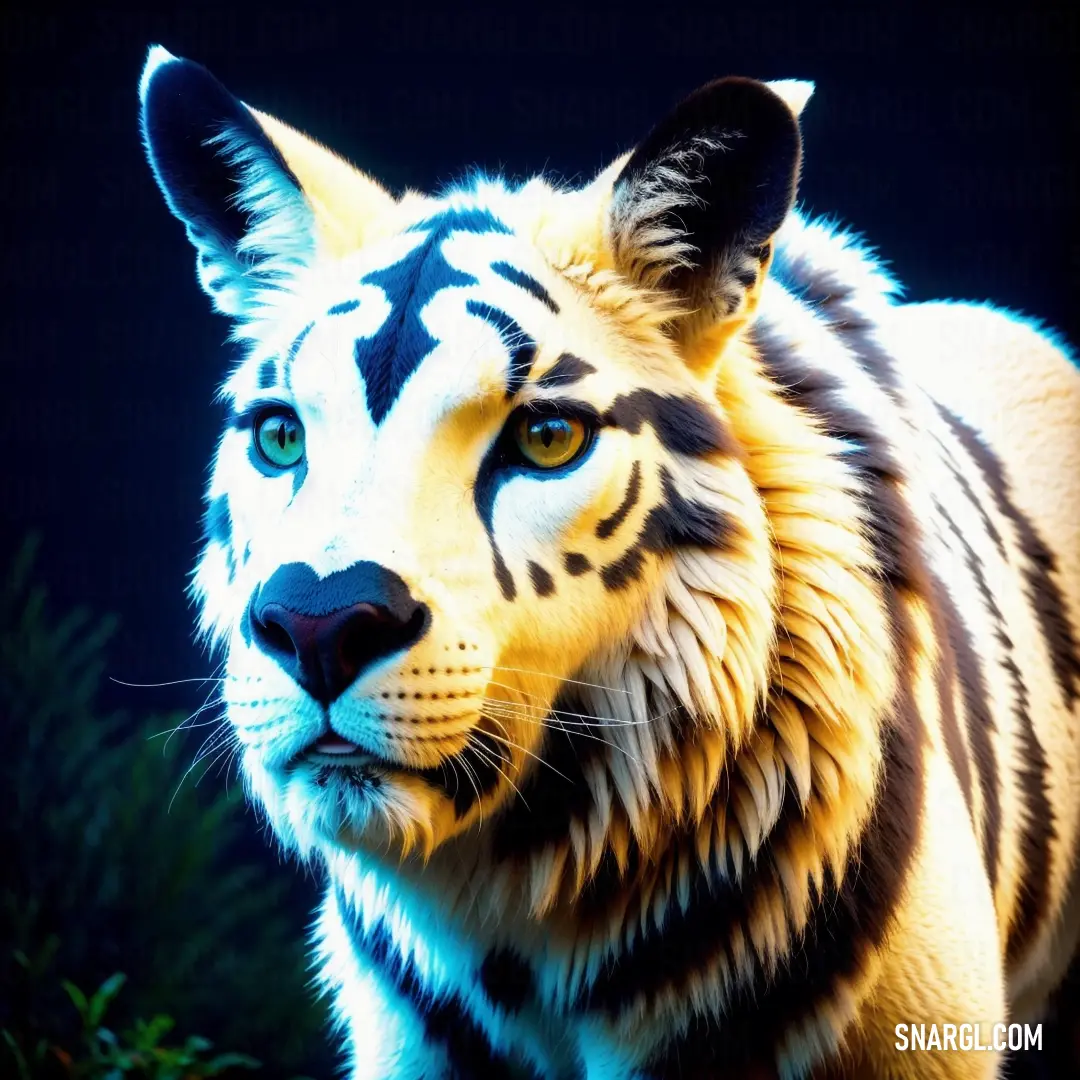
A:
(217, 527)
(494, 472)
(525, 281)
(633, 491)
(267, 375)
(294, 348)
(576, 564)
(473, 220)
(343, 308)
(542, 582)
(503, 576)
(518, 344)
(674, 522)
(217, 523)
(1044, 594)
(387, 359)
(683, 425)
(566, 370)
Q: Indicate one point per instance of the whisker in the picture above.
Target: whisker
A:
(581, 719)
(213, 741)
(226, 749)
(551, 721)
(186, 724)
(560, 678)
(170, 682)
(597, 738)
(188, 771)
(514, 745)
(475, 787)
(477, 750)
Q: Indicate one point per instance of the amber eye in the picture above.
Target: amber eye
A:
(279, 437)
(549, 441)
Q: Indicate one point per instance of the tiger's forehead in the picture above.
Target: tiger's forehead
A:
(456, 301)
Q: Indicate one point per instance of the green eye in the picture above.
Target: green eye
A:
(279, 437)
(549, 441)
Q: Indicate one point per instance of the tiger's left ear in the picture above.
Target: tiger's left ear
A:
(695, 206)
(257, 198)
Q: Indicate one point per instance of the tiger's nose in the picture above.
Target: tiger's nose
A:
(326, 632)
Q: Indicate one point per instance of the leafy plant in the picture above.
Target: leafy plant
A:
(104, 1055)
(102, 874)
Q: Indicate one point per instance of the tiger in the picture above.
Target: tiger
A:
(662, 639)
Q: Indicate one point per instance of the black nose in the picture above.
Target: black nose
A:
(326, 631)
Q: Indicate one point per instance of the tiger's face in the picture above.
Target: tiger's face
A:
(472, 455)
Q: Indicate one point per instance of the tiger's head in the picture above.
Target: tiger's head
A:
(478, 519)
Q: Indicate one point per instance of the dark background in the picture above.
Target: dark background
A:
(947, 137)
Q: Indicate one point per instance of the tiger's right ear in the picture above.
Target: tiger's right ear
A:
(257, 198)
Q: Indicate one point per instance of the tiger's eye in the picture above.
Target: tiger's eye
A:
(279, 437)
(549, 441)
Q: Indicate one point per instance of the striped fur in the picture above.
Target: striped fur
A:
(748, 737)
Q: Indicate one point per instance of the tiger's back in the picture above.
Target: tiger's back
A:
(1010, 397)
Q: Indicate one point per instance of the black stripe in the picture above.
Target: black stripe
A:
(566, 370)
(847, 919)
(507, 979)
(979, 505)
(576, 564)
(1043, 591)
(553, 795)
(294, 348)
(267, 375)
(831, 298)
(1038, 829)
(542, 582)
(633, 490)
(969, 673)
(674, 522)
(624, 570)
(684, 425)
(892, 529)
(343, 308)
(502, 574)
(525, 281)
(481, 761)
(446, 1020)
(518, 344)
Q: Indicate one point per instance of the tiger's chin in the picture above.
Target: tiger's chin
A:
(319, 804)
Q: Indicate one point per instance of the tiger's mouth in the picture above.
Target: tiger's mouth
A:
(332, 754)
(332, 749)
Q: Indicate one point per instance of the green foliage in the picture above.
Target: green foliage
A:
(104, 1055)
(105, 870)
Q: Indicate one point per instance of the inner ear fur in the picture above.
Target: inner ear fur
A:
(695, 207)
